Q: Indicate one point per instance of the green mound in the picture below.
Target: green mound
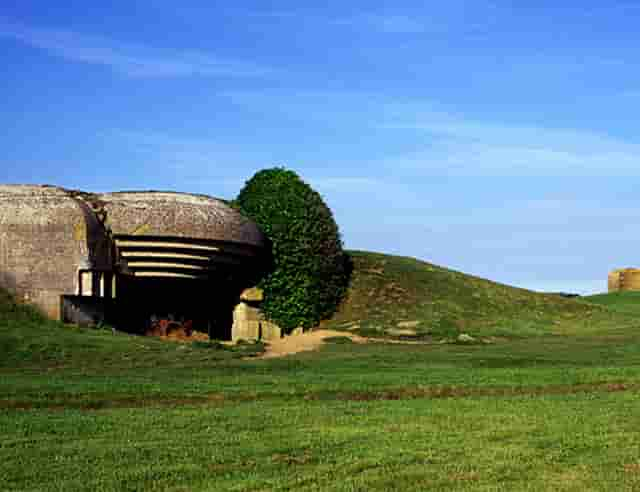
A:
(402, 297)
(622, 302)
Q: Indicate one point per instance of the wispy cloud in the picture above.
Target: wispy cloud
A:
(128, 59)
(548, 217)
(465, 146)
(444, 143)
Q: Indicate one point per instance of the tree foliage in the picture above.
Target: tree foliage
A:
(310, 271)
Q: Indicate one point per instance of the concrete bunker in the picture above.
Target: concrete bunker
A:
(624, 279)
(133, 259)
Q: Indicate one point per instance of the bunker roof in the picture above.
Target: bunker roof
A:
(161, 213)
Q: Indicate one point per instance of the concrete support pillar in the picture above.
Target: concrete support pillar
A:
(86, 284)
(248, 321)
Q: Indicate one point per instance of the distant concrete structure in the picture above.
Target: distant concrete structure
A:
(128, 257)
(624, 279)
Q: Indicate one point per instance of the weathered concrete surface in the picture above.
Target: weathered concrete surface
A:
(246, 322)
(254, 294)
(153, 213)
(250, 324)
(624, 279)
(46, 235)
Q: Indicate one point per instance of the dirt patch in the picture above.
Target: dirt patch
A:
(437, 392)
(182, 336)
(411, 393)
(399, 332)
(408, 324)
(632, 468)
(401, 341)
(312, 340)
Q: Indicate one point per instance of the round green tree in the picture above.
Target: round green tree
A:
(309, 270)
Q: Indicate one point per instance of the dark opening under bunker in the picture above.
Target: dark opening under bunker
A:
(157, 306)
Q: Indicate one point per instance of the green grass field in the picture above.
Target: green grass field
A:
(547, 399)
(623, 302)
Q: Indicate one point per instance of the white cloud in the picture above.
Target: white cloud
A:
(129, 59)
(464, 146)
(454, 144)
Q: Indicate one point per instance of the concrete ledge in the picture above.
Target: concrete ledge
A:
(253, 294)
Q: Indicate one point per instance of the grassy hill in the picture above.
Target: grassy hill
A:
(551, 405)
(404, 297)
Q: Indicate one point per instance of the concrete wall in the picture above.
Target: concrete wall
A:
(624, 279)
(248, 320)
(613, 281)
(46, 235)
(630, 279)
(250, 324)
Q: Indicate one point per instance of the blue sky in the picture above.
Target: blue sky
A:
(498, 138)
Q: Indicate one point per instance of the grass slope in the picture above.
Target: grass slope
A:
(29, 340)
(397, 295)
(621, 302)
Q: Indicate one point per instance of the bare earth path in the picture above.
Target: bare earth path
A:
(307, 341)
(313, 340)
